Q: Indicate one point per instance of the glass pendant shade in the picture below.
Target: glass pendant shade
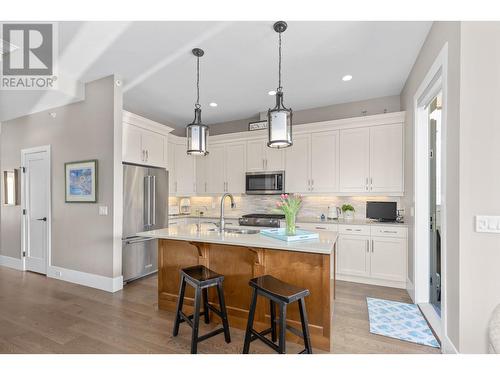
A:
(279, 123)
(197, 135)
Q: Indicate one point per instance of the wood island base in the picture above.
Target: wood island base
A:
(240, 264)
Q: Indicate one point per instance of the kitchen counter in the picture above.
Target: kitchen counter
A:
(188, 232)
(241, 257)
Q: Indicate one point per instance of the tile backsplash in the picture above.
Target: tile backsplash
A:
(313, 206)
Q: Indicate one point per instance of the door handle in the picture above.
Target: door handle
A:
(153, 200)
(42, 219)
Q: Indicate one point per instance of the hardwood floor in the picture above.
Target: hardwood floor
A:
(42, 315)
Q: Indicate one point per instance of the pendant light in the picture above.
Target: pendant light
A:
(197, 132)
(279, 119)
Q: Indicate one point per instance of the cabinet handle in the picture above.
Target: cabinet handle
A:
(147, 155)
(175, 186)
(320, 228)
(366, 182)
(367, 246)
(205, 187)
(373, 246)
(390, 231)
(143, 155)
(312, 184)
(263, 163)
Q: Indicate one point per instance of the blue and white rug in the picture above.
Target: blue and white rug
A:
(398, 320)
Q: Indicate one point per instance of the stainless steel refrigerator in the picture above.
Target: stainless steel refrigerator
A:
(145, 202)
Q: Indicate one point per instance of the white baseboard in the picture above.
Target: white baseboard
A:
(410, 288)
(15, 263)
(371, 281)
(108, 284)
(447, 346)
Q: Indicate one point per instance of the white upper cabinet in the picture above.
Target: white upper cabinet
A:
(324, 162)
(172, 185)
(297, 163)
(386, 158)
(215, 174)
(144, 141)
(185, 168)
(235, 168)
(263, 158)
(354, 160)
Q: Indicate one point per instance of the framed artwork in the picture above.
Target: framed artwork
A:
(81, 181)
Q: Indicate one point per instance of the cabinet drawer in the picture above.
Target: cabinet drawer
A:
(317, 226)
(363, 230)
(388, 231)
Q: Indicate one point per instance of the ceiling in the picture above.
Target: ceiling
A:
(157, 68)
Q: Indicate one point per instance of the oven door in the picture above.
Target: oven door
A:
(265, 183)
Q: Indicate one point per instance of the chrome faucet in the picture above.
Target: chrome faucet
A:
(233, 205)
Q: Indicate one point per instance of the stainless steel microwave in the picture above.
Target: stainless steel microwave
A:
(265, 182)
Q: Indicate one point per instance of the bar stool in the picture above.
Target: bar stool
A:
(281, 294)
(201, 278)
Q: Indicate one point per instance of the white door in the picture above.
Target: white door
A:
(185, 168)
(216, 177)
(297, 165)
(255, 156)
(353, 256)
(36, 203)
(132, 146)
(354, 160)
(274, 159)
(388, 258)
(325, 162)
(235, 167)
(153, 145)
(386, 158)
(172, 182)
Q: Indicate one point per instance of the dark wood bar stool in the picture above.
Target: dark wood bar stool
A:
(281, 294)
(201, 278)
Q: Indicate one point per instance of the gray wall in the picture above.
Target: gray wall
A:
(81, 239)
(479, 180)
(440, 33)
(331, 112)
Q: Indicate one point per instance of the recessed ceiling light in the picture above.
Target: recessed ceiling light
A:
(213, 104)
(272, 92)
(347, 77)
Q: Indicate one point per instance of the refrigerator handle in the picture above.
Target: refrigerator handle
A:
(153, 200)
(147, 201)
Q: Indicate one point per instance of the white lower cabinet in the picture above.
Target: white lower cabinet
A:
(353, 255)
(372, 259)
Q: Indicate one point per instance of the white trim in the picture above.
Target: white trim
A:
(24, 152)
(108, 284)
(145, 123)
(10, 262)
(371, 281)
(447, 346)
(433, 318)
(410, 288)
(435, 79)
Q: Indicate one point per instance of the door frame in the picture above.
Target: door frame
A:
(24, 152)
(435, 81)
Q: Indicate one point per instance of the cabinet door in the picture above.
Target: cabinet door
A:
(325, 162)
(172, 185)
(185, 171)
(353, 256)
(154, 146)
(386, 158)
(255, 156)
(132, 148)
(235, 168)
(354, 160)
(215, 170)
(202, 174)
(297, 160)
(274, 158)
(388, 258)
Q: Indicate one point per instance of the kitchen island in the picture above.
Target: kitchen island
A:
(240, 257)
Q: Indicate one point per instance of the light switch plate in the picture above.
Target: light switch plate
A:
(103, 210)
(488, 224)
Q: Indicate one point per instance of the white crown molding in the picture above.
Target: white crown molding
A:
(10, 262)
(108, 284)
(145, 123)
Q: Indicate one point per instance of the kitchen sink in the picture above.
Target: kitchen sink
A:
(241, 230)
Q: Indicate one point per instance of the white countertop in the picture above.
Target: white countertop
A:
(323, 245)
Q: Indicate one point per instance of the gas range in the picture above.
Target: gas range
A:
(262, 220)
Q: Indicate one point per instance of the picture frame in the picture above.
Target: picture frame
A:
(81, 181)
